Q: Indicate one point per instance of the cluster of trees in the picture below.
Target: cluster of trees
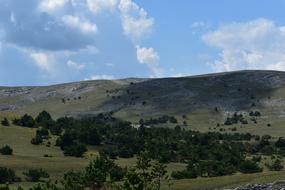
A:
(9, 176)
(64, 100)
(235, 118)
(101, 173)
(239, 118)
(211, 168)
(44, 120)
(207, 154)
(34, 175)
(160, 120)
(254, 113)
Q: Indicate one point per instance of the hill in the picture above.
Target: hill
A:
(201, 101)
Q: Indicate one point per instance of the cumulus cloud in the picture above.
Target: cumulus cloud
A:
(76, 22)
(135, 20)
(147, 55)
(151, 58)
(53, 33)
(51, 5)
(257, 44)
(23, 25)
(44, 61)
(75, 65)
(96, 6)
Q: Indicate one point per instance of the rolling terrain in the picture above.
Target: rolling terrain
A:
(205, 100)
(200, 103)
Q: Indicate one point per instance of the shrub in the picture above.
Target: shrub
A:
(6, 150)
(8, 175)
(76, 150)
(111, 152)
(185, 174)
(34, 175)
(42, 132)
(73, 181)
(25, 121)
(44, 119)
(117, 173)
(5, 122)
(125, 152)
(280, 142)
(37, 140)
(276, 165)
(249, 166)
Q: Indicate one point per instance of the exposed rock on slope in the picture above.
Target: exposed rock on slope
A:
(135, 98)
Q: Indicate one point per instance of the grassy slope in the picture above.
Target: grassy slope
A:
(28, 156)
(195, 97)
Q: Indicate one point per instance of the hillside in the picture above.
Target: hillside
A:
(205, 100)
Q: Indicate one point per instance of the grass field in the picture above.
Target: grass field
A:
(27, 156)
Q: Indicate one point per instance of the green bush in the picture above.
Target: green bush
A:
(185, 174)
(37, 140)
(34, 175)
(76, 150)
(249, 166)
(6, 150)
(5, 122)
(25, 121)
(7, 175)
(276, 165)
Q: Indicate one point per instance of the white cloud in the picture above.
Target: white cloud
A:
(43, 60)
(75, 65)
(147, 55)
(51, 5)
(100, 77)
(135, 20)
(257, 44)
(97, 6)
(151, 58)
(76, 22)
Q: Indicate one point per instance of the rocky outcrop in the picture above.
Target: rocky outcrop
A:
(279, 185)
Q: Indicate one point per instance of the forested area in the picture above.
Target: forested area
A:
(206, 154)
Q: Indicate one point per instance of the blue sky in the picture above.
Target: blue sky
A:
(54, 41)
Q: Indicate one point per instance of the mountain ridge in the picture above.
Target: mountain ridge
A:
(204, 99)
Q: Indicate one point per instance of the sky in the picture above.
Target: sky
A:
(45, 42)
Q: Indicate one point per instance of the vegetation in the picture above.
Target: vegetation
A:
(276, 165)
(35, 175)
(101, 173)
(235, 119)
(159, 120)
(7, 175)
(6, 150)
(25, 121)
(208, 154)
(5, 122)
